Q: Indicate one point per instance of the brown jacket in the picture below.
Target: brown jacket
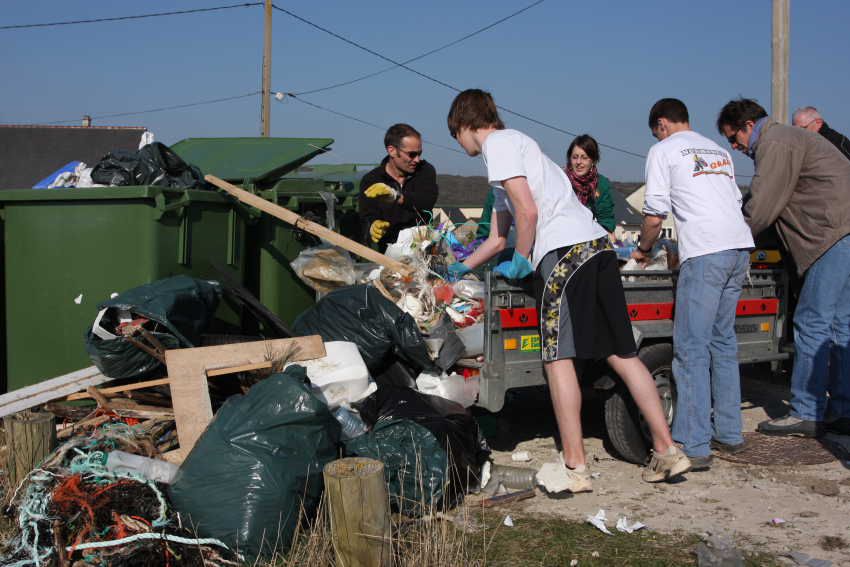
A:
(802, 183)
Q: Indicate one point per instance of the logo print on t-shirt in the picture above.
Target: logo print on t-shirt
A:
(721, 163)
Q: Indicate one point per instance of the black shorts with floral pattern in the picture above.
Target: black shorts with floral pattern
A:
(582, 305)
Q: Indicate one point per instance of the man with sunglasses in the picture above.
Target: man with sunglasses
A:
(692, 178)
(400, 192)
(809, 118)
(801, 184)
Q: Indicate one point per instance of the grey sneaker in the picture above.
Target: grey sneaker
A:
(727, 448)
(666, 465)
(555, 477)
(700, 464)
(790, 425)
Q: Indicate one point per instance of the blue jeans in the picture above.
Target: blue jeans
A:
(822, 339)
(705, 351)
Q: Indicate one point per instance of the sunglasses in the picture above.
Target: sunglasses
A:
(732, 138)
(411, 155)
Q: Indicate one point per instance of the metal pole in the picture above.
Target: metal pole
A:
(267, 70)
(780, 43)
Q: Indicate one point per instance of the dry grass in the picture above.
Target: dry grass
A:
(432, 540)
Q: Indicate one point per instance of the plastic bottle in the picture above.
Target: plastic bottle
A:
(352, 424)
(151, 469)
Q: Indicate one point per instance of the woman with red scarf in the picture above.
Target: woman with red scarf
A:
(592, 189)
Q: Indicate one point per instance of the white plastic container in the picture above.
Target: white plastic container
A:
(450, 386)
(472, 338)
(120, 462)
(341, 375)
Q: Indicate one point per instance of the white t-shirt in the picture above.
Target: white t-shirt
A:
(561, 218)
(695, 178)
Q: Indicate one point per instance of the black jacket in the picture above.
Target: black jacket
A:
(420, 194)
(838, 139)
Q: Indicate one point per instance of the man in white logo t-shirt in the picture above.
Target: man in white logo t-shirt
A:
(693, 177)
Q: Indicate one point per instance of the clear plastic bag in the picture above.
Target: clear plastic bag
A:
(324, 268)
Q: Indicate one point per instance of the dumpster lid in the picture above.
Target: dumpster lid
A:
(252, 159)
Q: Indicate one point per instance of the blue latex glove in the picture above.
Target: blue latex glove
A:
(516, 269)
(457, 270)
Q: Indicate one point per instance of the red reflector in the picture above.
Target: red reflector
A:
(758, 307)
(650, 311)
(516, 318)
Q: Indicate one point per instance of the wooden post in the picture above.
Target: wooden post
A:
(779, 48)
(267, 69)
(30, 437)
(360, 512)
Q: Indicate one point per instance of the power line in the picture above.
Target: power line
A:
(163, 108)
(361, 121)
(440, 82)
(427, 53)
(121, 18)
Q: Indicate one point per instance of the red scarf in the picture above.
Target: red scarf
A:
(584, 185)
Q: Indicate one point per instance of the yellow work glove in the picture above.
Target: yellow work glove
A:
(381, 190)
(378, 229)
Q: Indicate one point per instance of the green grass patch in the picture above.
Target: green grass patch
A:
(553, 541)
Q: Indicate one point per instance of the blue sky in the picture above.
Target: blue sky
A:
(592, 67)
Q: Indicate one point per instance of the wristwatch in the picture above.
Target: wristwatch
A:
(642, 251)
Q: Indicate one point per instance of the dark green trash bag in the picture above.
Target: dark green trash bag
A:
(264, 452)
(415, 466)
(180, 309)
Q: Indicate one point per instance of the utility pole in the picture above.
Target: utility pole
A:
(780, 42)
(267, 71)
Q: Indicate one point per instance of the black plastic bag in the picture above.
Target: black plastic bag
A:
(415, 465)
(263, 453)
(182, 308)
(360, 314)
(154, 164)
(452, 425)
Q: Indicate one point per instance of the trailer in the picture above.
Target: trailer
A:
(512, 344)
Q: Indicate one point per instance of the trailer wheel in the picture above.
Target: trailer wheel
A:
(627, 430)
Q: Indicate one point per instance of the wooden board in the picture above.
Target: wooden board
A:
(313, 228)
(188, 370)
(49, 390)
(125, 388)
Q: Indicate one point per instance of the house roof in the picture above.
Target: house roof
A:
(29, 153)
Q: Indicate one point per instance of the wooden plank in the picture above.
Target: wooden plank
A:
(316, 229)
(125, 388)
(242, 368)
(166, 381)
(49, 390)
(188, 370)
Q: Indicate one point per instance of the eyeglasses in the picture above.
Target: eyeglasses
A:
(411, 155)
(733, 138)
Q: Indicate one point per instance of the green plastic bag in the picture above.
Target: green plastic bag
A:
(415, 466)
(181, 306)
(245, 478)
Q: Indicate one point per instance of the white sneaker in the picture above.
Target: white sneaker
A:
(555, 477)
(666, 465)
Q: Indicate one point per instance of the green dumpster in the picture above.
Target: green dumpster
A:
(324, 194)
(67, 250)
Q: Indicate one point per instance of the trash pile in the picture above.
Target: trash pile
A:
(153, 164)
(449, 316)
(130, 486)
